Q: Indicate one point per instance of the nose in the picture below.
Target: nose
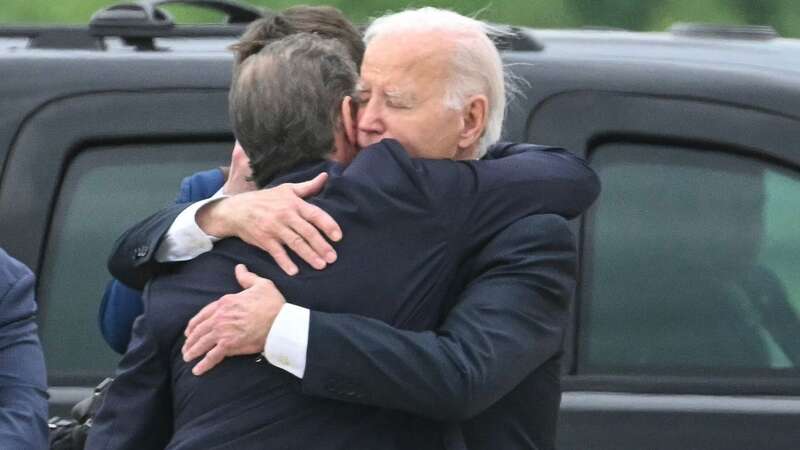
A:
(370, 120)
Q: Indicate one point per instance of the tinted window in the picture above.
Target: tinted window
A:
(691, 265)
(104, 191)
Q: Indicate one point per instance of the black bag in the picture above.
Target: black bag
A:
(70, 434)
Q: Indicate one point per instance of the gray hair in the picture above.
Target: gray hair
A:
(285, 101)
(476, 64)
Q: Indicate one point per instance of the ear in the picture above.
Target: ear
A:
(474, 119)
(345, 135)
(349, 111)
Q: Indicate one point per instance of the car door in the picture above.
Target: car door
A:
(80, 170)
(686, 331)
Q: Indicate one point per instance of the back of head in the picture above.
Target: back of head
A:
(323, 21)
(285, 102)
(476, 64)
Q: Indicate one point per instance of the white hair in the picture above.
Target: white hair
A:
(476, 64)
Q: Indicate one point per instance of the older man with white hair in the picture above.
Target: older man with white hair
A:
(432, 80)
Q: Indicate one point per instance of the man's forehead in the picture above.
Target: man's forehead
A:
(397, 52)
(403, 72)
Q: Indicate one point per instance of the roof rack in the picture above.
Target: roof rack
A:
(707, 30)
(138, 24)
(62, 37)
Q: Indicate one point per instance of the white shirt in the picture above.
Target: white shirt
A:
(287, 342)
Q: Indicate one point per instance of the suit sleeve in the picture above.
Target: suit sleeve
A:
(136, 413)
(23, 385)
(508, 321)
(132, 259)
(560, 182)
(520, 181)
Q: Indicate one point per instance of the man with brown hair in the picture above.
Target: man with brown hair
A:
(121, 303)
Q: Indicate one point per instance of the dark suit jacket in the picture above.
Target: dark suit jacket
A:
(23, 385)
(478, 227)
(491, 367)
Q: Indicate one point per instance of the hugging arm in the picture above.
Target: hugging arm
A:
(562, 184)
(508, 321)
(132, 259)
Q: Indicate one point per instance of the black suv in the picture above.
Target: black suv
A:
(685, 332)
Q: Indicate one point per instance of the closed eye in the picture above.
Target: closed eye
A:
(361, 98)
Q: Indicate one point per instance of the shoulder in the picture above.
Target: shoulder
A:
(200, 185)
(16, 289)
(388, 154)
(385, 169)
(11, 270)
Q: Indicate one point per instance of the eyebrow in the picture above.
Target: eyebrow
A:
(397, 95)
(393, 94)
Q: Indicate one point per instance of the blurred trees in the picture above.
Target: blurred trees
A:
(628, 14)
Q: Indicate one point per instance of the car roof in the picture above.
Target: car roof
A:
(774, 53)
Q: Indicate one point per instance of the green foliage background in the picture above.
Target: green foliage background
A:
(628, 14)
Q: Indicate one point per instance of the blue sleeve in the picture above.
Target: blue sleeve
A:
(122, 304)
(23, 384)
(200, 186)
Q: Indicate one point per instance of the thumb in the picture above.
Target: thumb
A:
(311, 187)
(245, 278)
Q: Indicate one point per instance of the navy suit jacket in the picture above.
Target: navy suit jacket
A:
(23, 379)
(530, 266)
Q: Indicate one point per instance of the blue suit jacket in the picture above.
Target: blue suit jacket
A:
(23, 379)
(412, 225)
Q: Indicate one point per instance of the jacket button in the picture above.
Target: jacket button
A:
(141, 252)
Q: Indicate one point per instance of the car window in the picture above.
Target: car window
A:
(104, 191)
(691, 264)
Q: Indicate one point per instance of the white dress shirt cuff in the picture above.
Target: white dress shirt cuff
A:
(185, 240)
(287, 341)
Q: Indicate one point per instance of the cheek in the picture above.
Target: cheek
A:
(360, 113)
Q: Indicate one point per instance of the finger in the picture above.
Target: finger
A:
(298, 245)
(311, 187)
(322, 220)
(281, 257)
(314, 238)
(212, 358)
(199, 348)
(200, 330)
(246, 278)
(200, 317)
